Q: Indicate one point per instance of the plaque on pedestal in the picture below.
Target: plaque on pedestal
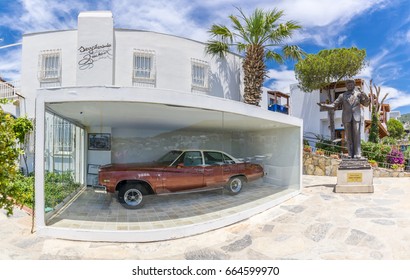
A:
(354, 176)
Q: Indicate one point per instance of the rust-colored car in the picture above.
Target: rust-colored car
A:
(176, 171)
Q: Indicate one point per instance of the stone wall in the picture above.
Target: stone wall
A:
(321, 165)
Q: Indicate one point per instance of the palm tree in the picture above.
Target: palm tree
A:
(259, 36)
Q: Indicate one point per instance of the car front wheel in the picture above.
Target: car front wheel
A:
(131, 196)
(234, 185)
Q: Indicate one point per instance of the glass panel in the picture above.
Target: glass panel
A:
(169, 158)
(63, 163)
(192, 159)
(213, 158)
(253, 147)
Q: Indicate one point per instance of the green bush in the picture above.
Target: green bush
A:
(389, 141)
(395, 128)
(375, 151)
(25, 185)
(406, 154)
(56, 188)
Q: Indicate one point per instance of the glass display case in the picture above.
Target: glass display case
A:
(140, 133)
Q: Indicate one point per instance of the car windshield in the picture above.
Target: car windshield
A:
(169, 157)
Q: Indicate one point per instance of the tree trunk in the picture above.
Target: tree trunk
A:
(331, 114)
(254, 74)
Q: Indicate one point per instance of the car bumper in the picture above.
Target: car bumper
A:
(100, 189)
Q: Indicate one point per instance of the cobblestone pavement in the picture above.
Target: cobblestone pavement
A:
(317, 224)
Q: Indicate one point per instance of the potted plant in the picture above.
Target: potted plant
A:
(334, 156)
(373, 163)
(307, 148)
(320, 152)
(397, 167)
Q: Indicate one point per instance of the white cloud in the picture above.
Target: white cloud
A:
(326, 12)
(324, 21)
(280, 80)
(10, 60)
(42, 15)
(171, 17)
(396, 98)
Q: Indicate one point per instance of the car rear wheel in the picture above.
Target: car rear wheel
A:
(235, 185)
(131, 196)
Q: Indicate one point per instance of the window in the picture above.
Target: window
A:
(144, 68)
(50, 68)
(191, 158)
(217, 158)
(199, 71)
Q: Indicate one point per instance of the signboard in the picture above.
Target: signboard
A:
(354, 177)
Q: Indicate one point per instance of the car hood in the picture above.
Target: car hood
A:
(132, 166)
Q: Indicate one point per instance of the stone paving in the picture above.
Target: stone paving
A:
(317, 224)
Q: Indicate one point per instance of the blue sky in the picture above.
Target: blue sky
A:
(382, 27)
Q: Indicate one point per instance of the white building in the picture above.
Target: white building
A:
(104, 95)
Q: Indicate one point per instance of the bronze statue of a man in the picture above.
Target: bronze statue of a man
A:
(351, 116)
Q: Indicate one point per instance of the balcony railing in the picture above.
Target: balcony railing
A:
(278, 108)
(9, 89)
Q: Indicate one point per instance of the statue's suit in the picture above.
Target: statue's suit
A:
(351, 118)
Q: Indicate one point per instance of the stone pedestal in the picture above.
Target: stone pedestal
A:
(354, 176)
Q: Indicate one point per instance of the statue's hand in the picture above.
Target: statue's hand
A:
(320, 104)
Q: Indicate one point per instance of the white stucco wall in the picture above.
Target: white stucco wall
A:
(33, 44)
(113, 61)
(303, 105)
(95, 49)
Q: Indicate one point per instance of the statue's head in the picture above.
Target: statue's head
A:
(350, 84)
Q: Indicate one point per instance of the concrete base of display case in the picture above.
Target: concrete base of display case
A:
(114, 228)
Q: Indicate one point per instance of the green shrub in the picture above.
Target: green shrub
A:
(389, 141)
(375, 151)
(395, 128)
(56, 188)
(25, 185)
(406, 154)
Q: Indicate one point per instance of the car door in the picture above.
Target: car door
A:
(186, 173)
(214, 168)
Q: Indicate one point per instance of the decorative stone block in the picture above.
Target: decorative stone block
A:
(354, 176)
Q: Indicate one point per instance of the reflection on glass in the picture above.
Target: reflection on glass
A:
(64, 160)
(169, 157)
